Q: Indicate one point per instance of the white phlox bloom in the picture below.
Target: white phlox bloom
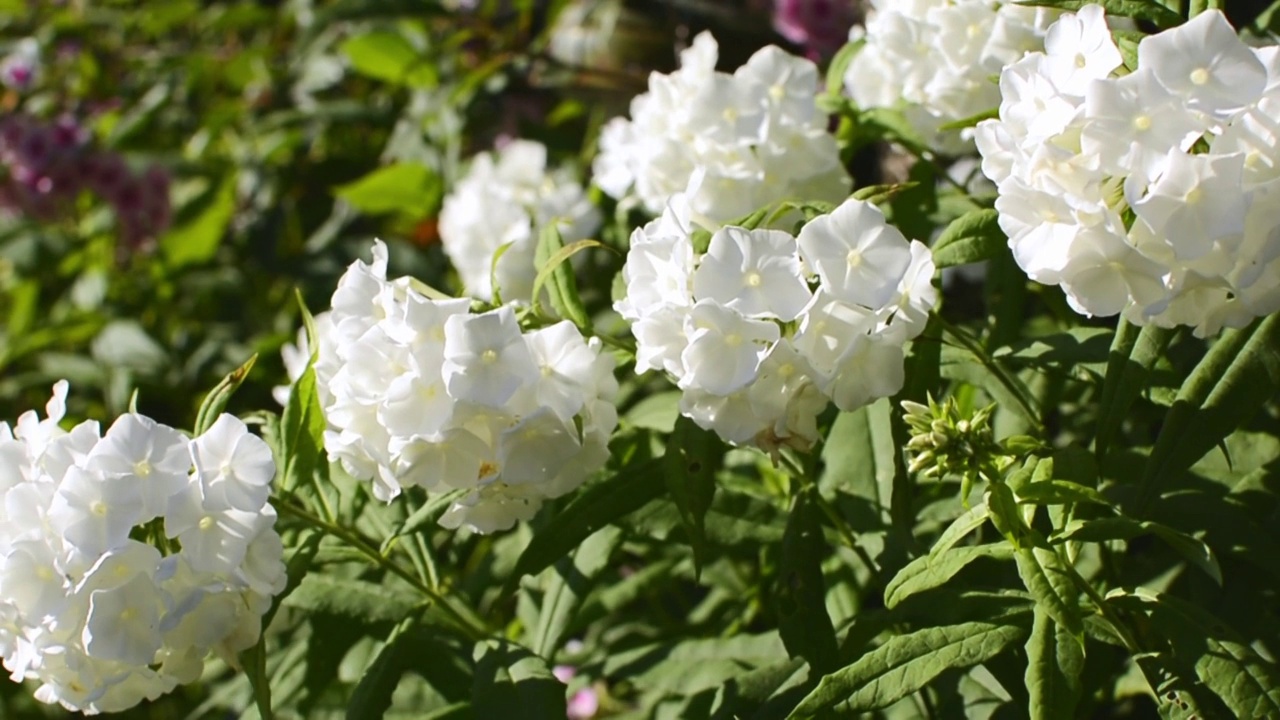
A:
(423, 392)
(1149, 193)
(934, 60)
(763, 330)
(505, 199)
(728, 143)
(99, 619)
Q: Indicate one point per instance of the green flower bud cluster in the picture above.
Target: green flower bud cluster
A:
(946, 442)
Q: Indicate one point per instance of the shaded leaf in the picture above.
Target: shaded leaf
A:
(1055, 662)
(803, 621)
(511, 682)
(905, 664)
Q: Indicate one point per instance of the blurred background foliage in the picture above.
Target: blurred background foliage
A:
(292, 132)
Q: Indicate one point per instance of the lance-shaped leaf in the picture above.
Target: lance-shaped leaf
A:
(693, 456)
(598, 505)
(567, 585)
(970, 238)
(556, 275)
(511, 682)
(1195, 551)
(1055, 661)
(216, 401)
(930, 571)
(1238, 375)
(1148, 10)
(372, 696)
(803, 621)
(1133, 352)
(1049, 582)
(971, 520)
(905, 664)
(1059, 492)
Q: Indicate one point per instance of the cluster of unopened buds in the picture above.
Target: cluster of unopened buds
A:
(48, 164)
(730, 143)
(945, 441)
(419, 391)
(762, 330)
(129, 556)
(934, 60)
(1152, 192)
(501, 205)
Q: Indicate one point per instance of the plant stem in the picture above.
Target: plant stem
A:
(1010, 382)
(471, 626)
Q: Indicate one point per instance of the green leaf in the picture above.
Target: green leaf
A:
(1003, 510)
(567, 585)
(302, 435)
(970, 238)
(389, 57)
(971, 121)
(693, 456)
(354, 600)
(556, 275)
(408, 188)
(803, 621)
(876, 194)
(511, 682)
(1197, 552)
(1148, 10)
(216, 401)
(1134, 351)
(196, 240)
(1055, 663)
(1179, 694)
(1238, 375)
(1224, 662)
(1049, 582)
(1059, 492)
(858, 456)
(430, 512)
(930, 571)
(598, 505)
(839, 64)
(372, 696)
(905, 664)
(960, 528)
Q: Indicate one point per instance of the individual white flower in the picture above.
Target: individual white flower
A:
(505, 199)
(755, 272)
(87, 611)
(725, 347)
(1079, 50)
(858, 256)
(485, 357)
(1205, 62)
(719, 139)
(758, 345)
(431, 395)
(234, 467)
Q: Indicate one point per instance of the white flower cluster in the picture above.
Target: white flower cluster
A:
(96, 615)
(507, 199)
(1155, 194)
(934, 60)
(422, 392)
(730, 143)
(765, 328)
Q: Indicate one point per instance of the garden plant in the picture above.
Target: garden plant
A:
(640, 359)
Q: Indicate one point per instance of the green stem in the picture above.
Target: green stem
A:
(471, 626)
(842, 527)
(1010, 382)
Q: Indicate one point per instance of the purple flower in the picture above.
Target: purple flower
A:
(820, 26)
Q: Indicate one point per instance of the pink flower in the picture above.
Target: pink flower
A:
(583, 705)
